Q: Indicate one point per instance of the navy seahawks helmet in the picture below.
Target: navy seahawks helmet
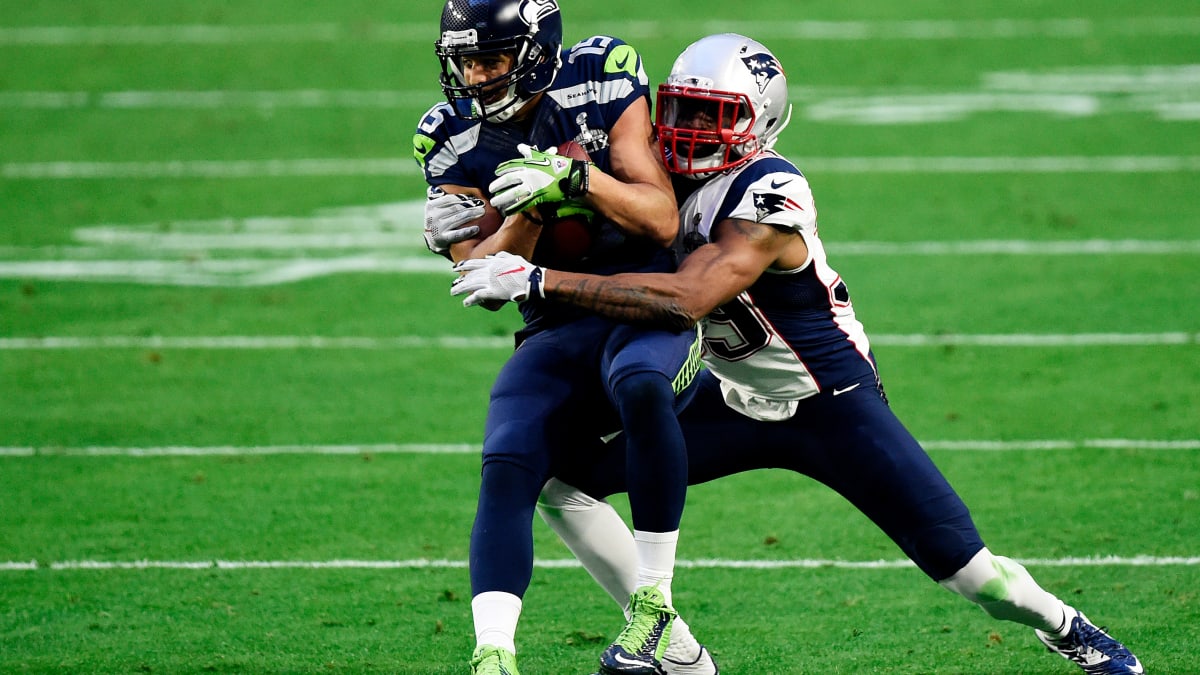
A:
(530, 30)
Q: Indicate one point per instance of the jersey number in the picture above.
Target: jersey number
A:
(734, 332)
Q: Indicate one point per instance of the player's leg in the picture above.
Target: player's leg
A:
(603, 544)
(645, 372)
(871, 459)
(595, 534)
(1006, 590)
(529, 393)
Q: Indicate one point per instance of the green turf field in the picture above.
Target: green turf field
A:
(240, 413)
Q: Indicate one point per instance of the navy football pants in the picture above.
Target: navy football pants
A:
(584, 379)
(852, 443)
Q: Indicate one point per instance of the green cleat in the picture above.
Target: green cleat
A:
(489, 660)
(640, 646)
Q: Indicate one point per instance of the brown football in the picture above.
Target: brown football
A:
(489, 222)
(569, 238)
(573, 150)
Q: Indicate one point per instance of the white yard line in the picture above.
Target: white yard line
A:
(256, 342)
(248, 342)
(811, 30)
(219, 99)
(967, 445)
(706, 563)
(1017, 247)
(230, 450)
(387, 244)
(405, 166)
(271, 168)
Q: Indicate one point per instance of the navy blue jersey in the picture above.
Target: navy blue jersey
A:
(793, 333)
(599, 79)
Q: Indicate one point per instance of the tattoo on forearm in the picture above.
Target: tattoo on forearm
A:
(622, 303)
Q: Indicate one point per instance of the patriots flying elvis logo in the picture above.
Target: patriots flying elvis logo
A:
(763, 67)
(766, 203)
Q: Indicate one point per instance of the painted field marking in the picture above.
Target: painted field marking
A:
(164, 261)
(837, 31)
(221, 99)
(1018, 247)
(405, 166)
(704, 563)
(1168, 91)
(226, 273)
(967, 445)
(271, 168)
(250, 342)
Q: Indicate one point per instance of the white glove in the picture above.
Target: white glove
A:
(446, 217)
(501, 277)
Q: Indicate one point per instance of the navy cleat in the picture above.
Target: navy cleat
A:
(1092, 649)
(639, 648)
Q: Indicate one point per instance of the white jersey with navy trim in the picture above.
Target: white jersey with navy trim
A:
(793, 333)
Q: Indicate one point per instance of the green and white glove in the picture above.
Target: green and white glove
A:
(502, 277)
(537, 178)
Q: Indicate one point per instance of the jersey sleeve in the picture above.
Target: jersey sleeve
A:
(614, 69)
(772, 192)
(437, 146)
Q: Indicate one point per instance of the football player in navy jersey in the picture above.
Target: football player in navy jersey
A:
(514, 96)
(791, 380)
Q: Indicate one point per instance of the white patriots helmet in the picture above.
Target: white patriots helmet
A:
(724, 102)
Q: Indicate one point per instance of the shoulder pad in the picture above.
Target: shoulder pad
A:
(774, 192)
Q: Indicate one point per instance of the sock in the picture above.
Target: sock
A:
(683, 647)
(1069, 613)
(495, 614)
(1005, 590)
(656, 559)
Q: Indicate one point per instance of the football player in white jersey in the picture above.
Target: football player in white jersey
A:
(791, 381)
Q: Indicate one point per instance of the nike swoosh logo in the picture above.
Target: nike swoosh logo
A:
(512, 271)
(621, 64)
(839, 392)
(632, 662)
(775, 185)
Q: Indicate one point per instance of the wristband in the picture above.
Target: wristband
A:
(579, 179)
(534, 287)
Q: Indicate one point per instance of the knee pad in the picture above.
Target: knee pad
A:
(644, 389)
